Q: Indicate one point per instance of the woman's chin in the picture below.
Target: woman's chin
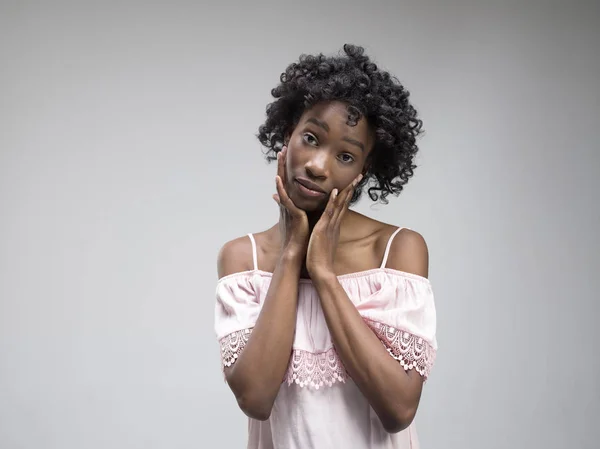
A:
(308, 205)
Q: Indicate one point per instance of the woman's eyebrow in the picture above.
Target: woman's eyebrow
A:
(319, 123)
(325, 126)
(355, 142)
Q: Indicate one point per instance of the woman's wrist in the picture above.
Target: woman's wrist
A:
(322, 276)
(292, 255)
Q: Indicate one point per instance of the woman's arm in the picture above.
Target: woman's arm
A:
(393, 392)
(259, 370)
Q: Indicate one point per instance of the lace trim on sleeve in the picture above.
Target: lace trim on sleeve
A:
(306, 369)
(232, 346)
(315, 370)
(411, 351)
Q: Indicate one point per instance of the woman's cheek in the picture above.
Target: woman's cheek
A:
(291, 161)
(289, 164)
(347, 181)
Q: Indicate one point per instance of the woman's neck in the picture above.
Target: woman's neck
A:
(313, 219)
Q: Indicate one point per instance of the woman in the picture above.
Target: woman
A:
(326, 320)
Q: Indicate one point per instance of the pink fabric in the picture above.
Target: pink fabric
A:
(318, 405)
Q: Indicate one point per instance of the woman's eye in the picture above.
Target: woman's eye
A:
(346, 158)
(310, 139)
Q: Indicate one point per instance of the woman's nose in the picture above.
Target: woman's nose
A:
(318, 165)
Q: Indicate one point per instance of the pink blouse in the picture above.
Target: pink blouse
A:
(318, 404)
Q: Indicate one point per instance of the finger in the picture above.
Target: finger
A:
(349, 190)
(281, 164)
(354, 183)
(344, 201)
(325, 218)
(281, 158)
(352, 189)
(340, 207)
(284, 199)
(280, 189)
(329, 208)
(343, 208)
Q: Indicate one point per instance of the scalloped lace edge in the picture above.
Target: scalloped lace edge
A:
(317, 370)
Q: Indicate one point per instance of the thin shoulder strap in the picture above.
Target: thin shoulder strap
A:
(387, 248)
(254, 254)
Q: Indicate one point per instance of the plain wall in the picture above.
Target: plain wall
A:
(128, 157)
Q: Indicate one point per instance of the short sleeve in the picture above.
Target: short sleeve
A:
(401, 312)
(236, 311)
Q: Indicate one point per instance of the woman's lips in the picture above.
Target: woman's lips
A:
(307, 191)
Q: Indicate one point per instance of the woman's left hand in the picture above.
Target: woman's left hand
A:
(326, 233)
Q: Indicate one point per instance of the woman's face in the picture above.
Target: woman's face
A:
(324, 153)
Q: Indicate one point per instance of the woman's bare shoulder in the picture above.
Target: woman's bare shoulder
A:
(409, 253)
(236, 256)
(366, 227)
(408, 249)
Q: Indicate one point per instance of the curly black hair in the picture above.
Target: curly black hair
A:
(370, 92)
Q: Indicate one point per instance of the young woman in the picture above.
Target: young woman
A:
(326, 320)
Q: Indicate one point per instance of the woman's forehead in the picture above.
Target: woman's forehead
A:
(334, 113)
(335, 116)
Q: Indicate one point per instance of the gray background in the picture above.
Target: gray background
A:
(127, 158)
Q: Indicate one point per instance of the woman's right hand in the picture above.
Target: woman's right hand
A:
(293, 222)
